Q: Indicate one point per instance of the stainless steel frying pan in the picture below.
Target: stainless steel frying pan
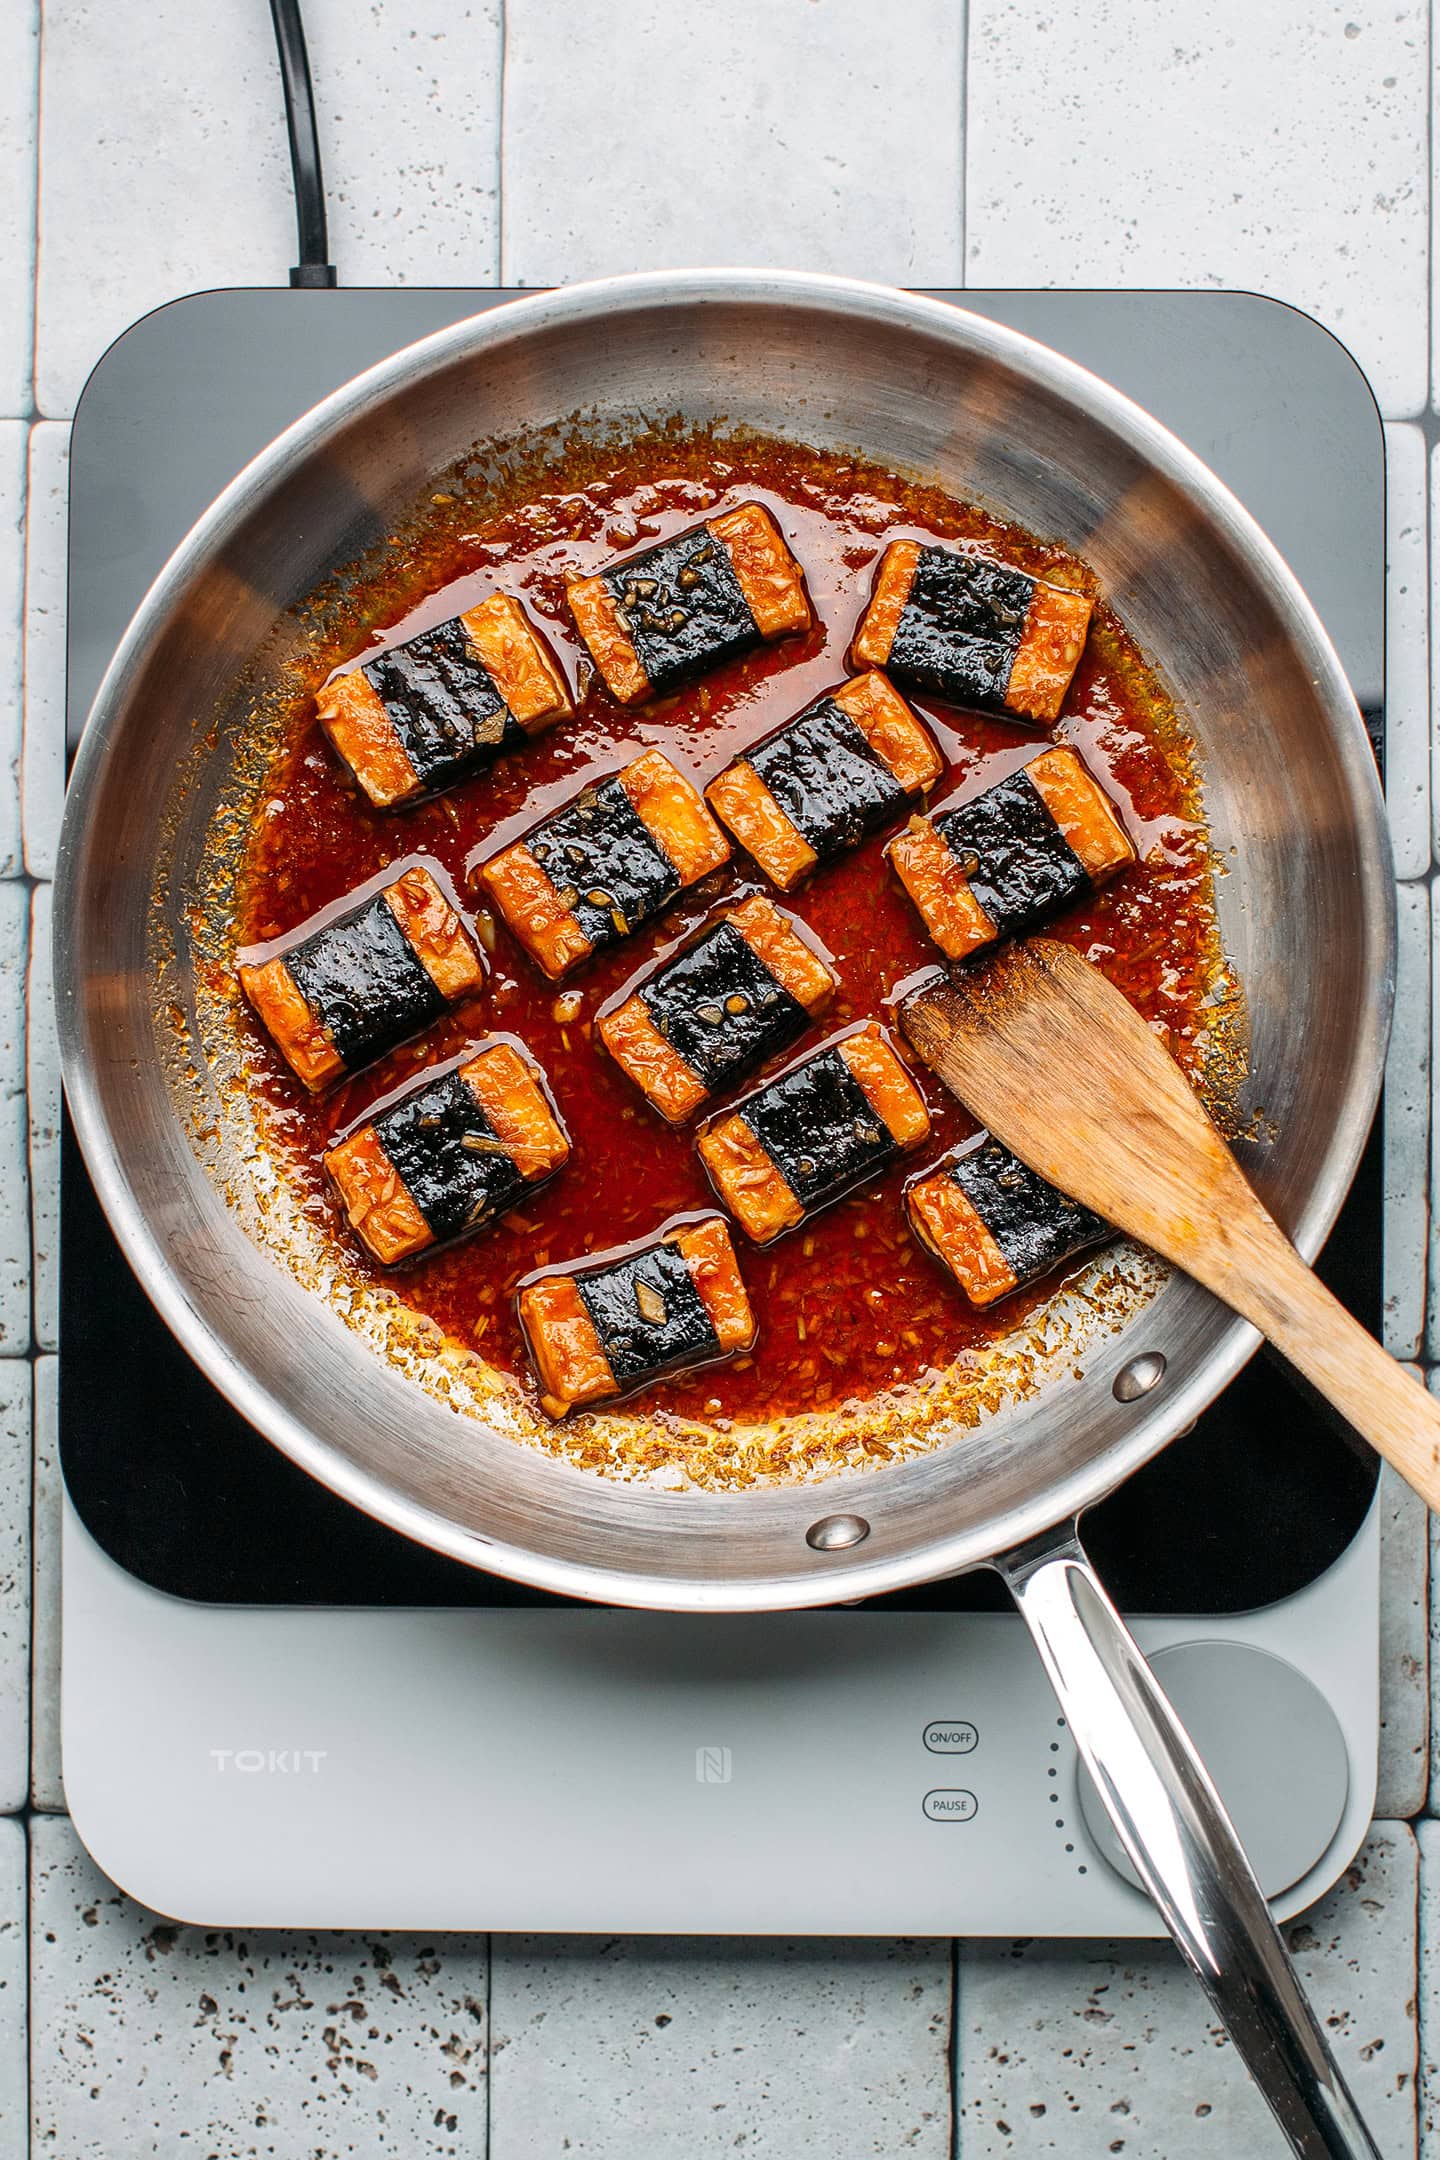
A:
(1306, 913)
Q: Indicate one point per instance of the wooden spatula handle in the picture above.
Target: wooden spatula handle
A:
(1386, 1405)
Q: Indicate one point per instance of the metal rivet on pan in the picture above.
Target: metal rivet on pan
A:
(1139, 1376)
(833, 1533)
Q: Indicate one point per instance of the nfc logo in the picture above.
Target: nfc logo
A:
(712, 1765)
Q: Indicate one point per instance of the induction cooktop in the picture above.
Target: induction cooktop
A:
(258, 1679)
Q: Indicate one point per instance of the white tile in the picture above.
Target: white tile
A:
(786, 132)
(15, 1532)
(1406, 1189)
(1404, 1649)
(47, 1785)
(14, 1994)
(189, 111)
(12, 607)
(19, 88)
(42, 1070)
(15, 1411)
(610, 2048)
(1407, 652)
(152, 2040)
(163, 170)
(42, 771)
(1407, 1127)
(1429, 1991)
(14, 1177)
(409, 102)
(1282, 148)
(1096, 2048)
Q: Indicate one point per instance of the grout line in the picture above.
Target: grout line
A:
(500, 144)
(965, 28)
(34, 412)
(489, 2027)
(1432, 386)
(952, 2049)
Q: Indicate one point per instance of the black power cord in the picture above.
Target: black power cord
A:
(314, 267)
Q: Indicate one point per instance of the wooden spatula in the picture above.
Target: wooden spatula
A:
(1062, 1069)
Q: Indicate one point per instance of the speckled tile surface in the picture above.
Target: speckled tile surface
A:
(1404, 1764)
(152, 2040)
(42, 1090)
(47, 1789)
(14, 1993)
(186, 103)
(1096, 2048)
(1281, 148)
(15, 1417)
(14, 1174)
(1407, 1127)
(755, 150)
(1407, 652)
(609, 2048)
(19, 73)
(12, 589)
(42, 770)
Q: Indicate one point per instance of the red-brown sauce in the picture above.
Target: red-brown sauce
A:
(849, 1305)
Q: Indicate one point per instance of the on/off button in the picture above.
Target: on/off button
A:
(950, 1804)
(951, 1736)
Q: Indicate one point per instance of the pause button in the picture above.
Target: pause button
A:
(950, 1804)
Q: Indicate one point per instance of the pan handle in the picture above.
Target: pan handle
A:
(1181, 1842)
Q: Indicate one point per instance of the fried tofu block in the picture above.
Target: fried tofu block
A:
(449, 1155)
(741, 800)
(1012, 857)
(936, 881)
(994, 1223)
(742, 992)
(977, 632)
(837, 772)
(423, 715)
(709, 595)
(613, 857)
(835, 1119)
(600, 1329)
(337, 997)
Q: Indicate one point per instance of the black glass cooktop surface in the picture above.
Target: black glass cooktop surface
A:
(1254, 1502)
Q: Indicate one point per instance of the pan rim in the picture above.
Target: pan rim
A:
(834, 1577)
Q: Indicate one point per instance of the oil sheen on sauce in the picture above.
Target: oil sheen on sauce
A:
(849, 1306)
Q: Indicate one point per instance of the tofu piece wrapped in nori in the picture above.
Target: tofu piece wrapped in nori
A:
(977, 632)
(596, 1331)
(836, 1118)
(420, 716)
(454, 1151)
(1012, 857)
(994, 1223)
(709, 595)
(337, 997)
(742, 992)
(837, 772)
(617, 854)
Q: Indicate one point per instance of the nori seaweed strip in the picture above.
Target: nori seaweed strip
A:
(1024, 867)
(598, 844)
(442, 703)
(640, 1343)
(818, 1128)
(693, 1003)
(454, 1186)
(362, 980)
(1034, 1226)
(827, 779)
(961, 626)
(682, 607)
